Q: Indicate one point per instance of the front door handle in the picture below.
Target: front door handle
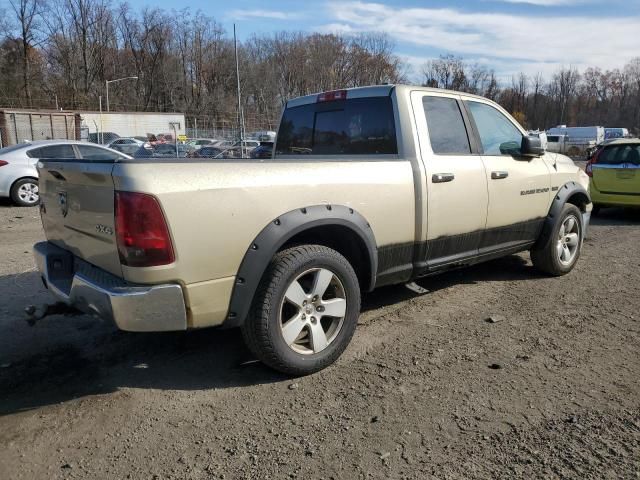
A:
(499, 175)
(442, 177)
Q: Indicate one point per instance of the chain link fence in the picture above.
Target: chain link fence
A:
(140, 134)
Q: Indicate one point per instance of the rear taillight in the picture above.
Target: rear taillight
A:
(3, 163)
(332, 96)
(588, 169)
(141, 231)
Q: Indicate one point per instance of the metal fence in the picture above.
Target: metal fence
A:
(154, 134)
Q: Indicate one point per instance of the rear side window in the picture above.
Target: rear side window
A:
(447, 132)
(360, 126)
(553, 138)
(619, 154)
(97, 154)
(499, 136)
(52, 152)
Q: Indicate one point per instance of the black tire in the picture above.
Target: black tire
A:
(262, 330)
(596, 210)
(546, 257)
(18, 196)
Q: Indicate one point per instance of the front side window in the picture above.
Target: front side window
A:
(447, 132)
(499, 136)
(360, 126)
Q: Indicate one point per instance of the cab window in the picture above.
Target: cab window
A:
(498, 135)
(447, 131)
(360, 126)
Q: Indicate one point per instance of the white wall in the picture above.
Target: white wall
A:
(133, 124)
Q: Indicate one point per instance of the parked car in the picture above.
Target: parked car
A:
(168, 150)
(265, 150)
(104, 138)
(399, 182)
(143, 152)
(247, 144)
(614, 171)
(207, 151)
(128, 145)
(201, 142)
(18, 173)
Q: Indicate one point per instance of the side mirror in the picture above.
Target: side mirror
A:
(531, 146)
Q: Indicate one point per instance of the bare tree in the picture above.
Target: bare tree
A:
(447, 72)
(184, 62)
(27, 17)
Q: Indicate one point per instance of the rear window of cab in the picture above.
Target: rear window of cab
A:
(360, 126)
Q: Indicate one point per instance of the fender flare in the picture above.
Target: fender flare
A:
(278, 232)
(562, 195)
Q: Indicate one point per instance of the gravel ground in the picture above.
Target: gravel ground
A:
(428, 388)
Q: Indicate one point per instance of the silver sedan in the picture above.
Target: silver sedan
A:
(18, 172)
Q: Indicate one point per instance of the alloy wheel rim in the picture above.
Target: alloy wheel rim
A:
(568, 240)
(312, 311)
(28, 192)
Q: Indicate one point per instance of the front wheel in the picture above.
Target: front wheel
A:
(305, 310)
(559, 254)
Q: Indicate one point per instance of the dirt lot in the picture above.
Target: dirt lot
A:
(428, 389)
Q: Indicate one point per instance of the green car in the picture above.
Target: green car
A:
(615, 174)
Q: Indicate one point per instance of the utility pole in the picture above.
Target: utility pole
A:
(107, 82)
(101, 136)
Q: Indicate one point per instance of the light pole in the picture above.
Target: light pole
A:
(113, 81)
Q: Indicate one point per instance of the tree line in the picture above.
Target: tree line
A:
(60, 53)
(593, 97)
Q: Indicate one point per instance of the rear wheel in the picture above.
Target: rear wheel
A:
(25, 192)
(560, 253)
(305, 310)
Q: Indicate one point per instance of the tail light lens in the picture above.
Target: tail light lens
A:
(141, 231)
(588, 169)
(3, 163)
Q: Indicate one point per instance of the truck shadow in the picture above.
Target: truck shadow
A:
(64, 358)
(615, 216)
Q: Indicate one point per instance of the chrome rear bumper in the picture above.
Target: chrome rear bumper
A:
(135, 308)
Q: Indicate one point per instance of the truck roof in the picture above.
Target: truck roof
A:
(623, 141)
(373, 91)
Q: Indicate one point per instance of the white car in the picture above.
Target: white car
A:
(128, 145)
(201, 142)
(18, 173)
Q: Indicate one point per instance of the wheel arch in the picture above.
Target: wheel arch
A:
(24, 177)
(571, 192)
(336, 226)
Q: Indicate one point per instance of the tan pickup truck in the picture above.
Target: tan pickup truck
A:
(367, 187)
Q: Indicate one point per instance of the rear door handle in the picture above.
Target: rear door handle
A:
(442, 177)
(499, 175)
(57, 175)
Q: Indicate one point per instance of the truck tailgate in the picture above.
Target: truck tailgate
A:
(77, 210)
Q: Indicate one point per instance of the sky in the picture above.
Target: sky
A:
(509, 36)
